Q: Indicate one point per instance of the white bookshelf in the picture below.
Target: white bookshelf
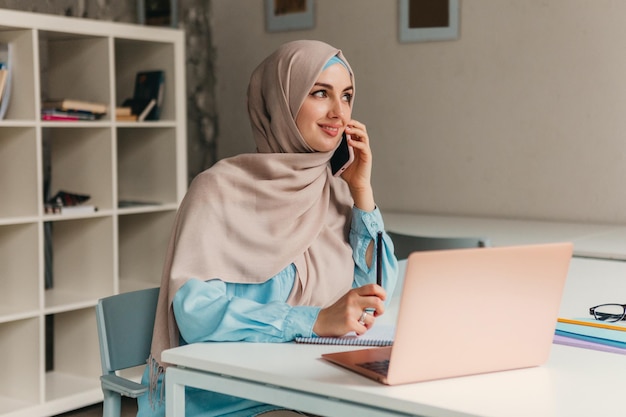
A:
(115, 249)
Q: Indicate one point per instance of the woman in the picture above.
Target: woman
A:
(270, 246)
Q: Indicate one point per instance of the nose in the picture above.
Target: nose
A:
(336, 109)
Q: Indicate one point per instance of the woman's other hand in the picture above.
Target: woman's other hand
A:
(345, 314)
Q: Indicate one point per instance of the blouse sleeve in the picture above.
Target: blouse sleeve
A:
(363, 231)
(211, 311)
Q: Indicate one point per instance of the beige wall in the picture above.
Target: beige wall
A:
(523, 116)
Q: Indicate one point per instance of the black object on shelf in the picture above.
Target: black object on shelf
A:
(149, 85)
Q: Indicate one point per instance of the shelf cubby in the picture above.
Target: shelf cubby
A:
(20, 286)
(74, 349)
(151, 179)
(133, 56)
(83, 262)
(18, 148)
(20, 343)
(81, 160)
(78, 67)
(143, 240)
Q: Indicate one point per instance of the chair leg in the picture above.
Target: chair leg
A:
(112, 404)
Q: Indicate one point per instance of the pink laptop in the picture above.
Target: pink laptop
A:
(470, 311)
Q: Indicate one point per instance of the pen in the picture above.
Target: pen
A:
(379, 255)
(379, 266)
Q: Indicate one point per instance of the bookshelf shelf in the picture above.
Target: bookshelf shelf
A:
(56, 266)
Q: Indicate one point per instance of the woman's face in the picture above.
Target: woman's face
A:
(327, 109)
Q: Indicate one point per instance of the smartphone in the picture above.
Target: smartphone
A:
(342, 158)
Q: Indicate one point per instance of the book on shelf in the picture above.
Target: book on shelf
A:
(125, 114)
(149, 85)
(379, 335)
(146, 111)
(123, 111)
(80, 209)
(6, 75)
(141, 108)
(68, 104)
(129, 118)
(67, 115)
(51, 208)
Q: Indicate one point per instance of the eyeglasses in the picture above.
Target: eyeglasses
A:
(609, 312)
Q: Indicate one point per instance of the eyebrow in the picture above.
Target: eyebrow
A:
(330, 87)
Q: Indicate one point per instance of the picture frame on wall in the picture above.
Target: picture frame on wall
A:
(157, 12)
(283, 15)
(428, 20)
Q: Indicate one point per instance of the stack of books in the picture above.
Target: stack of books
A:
(72, 110)
(591, 334)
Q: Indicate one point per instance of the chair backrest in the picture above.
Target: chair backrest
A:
(405, 244)
(125, 323)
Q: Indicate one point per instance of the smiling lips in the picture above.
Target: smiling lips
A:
(331, 130)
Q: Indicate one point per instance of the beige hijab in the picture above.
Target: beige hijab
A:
(248, 217)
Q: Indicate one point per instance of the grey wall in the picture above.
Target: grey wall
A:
(522, 116)
(519, 117)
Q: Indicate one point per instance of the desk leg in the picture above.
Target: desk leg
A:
(174, 393)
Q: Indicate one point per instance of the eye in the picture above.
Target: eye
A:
(347, 97)
(319, 93)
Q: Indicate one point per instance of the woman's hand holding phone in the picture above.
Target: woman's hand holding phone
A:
(359, 174)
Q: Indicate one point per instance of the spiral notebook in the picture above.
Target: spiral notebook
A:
(379, 335)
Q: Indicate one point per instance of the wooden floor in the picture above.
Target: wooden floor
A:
(129, 409)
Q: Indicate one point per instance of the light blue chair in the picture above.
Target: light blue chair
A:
(405, 244)
(125, 323)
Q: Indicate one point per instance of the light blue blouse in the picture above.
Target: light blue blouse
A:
(218, 311)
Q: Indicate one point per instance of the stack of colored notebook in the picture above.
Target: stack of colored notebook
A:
(591, 334)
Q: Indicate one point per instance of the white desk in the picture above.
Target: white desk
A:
(609, 245)
(574, 382)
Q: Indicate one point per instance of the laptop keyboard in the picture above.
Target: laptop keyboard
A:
(380, 367)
